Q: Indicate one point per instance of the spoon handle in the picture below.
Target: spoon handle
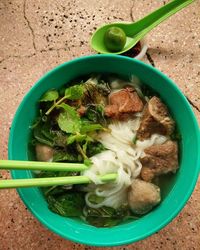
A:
(146, 24)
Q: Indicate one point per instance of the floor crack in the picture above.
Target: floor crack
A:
(29, 25)
(33, 54)
(150, 59)
(52, 49)
(131, 11)
(193, 105)
(25, 56)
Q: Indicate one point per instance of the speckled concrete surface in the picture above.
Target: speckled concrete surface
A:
(38, 35)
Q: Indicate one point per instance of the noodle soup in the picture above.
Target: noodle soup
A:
(112, 125)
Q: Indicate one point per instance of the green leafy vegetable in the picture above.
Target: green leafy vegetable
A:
(44, 134)
(36, 122)
(68, 156)
(104, 87)
(59, 138)
(69, 121)
(74, 92)
(88, 162)
(78, 138)
(56, 190)
(94, 148)
(95, 113)
(106, 216)
(85, 128)
(62, 91)
(71, 93)
(50, 95)
(40, 137)
(93, 198)
(91, 114)
(80, 150)
(69, 204)
(44, 174)
(96, 91)
(84, 146)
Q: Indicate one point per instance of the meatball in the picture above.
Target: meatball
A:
(43, 152)
(143, 196)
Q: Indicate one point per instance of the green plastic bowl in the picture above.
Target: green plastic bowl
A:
(176, 192)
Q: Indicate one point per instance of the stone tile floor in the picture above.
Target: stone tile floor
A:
(38, 35)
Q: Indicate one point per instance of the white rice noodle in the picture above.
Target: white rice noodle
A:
(121, 156)
(117, 84)
(154, 139)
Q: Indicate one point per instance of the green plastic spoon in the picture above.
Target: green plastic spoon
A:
(136, 31)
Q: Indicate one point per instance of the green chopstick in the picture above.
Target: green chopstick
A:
(37, 165)
(53, 181)
(48, 166)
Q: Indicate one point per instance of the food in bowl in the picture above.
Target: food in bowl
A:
(112, 125)
(175, 191)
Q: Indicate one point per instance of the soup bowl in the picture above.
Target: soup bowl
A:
(175, 192)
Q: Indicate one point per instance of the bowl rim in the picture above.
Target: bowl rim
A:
(168, 219)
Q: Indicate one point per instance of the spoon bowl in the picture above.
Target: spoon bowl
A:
(97, 40)
(137, 30)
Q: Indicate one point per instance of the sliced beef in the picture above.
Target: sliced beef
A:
(125, 101)
(143, 196)
(112, 111)
(159, 159)
(156, 119)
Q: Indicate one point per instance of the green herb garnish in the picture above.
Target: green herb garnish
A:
(50, 95)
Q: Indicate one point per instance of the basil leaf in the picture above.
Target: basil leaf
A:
(74, 92)
(38, 134)
(69, 120)
(87, 127)
(60, 155)
(94, 148)
(79, 138)
(105, 216)
(50, 95)
(95, 113)
(59, 138)
(69, 204)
